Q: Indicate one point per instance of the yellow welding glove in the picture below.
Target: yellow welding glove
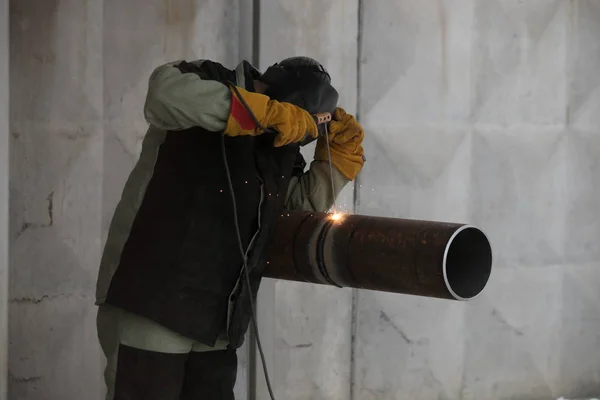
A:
(291, 122)
(345, 141)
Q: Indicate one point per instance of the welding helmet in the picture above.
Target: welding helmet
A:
(304, 82)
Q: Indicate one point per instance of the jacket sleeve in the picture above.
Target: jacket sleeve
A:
(312, 190)
(178, 101)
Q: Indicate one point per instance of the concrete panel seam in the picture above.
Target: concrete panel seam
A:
(4, 194)
(356, 204)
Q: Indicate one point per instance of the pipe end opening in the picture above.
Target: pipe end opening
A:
(467, 263)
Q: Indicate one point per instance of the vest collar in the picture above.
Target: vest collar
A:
(245, 74)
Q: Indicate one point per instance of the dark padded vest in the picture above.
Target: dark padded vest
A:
(181, 262)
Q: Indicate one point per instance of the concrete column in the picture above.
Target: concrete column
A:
(305, 329)
(4, 139)
(246, 382)
(265, 302)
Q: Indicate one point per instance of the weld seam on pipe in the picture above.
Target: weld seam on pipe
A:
(321, 251)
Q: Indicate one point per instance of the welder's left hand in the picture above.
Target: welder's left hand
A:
(345, 140)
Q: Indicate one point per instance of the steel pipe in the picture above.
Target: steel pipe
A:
(424, 258)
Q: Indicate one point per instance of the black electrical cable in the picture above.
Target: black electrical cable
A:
(247, 107)
(241, 245)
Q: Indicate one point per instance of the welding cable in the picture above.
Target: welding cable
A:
(241, 245)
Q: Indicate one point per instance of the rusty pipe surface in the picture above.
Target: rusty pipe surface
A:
(424, 258)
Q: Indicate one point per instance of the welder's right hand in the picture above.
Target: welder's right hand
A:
(291, 122)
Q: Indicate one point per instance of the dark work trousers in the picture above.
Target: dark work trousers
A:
(146, 361)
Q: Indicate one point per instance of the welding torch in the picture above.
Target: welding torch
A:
(322, 120)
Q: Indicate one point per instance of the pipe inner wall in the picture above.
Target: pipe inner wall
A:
(467, 263)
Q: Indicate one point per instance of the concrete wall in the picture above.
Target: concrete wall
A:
(476, 111)
(56, 197)
(480, 111)
(485, 111)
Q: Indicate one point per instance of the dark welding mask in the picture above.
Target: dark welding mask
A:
(304, 82)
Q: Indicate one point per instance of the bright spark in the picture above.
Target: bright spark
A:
(336, 216)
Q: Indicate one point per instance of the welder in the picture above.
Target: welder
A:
(219, 162)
